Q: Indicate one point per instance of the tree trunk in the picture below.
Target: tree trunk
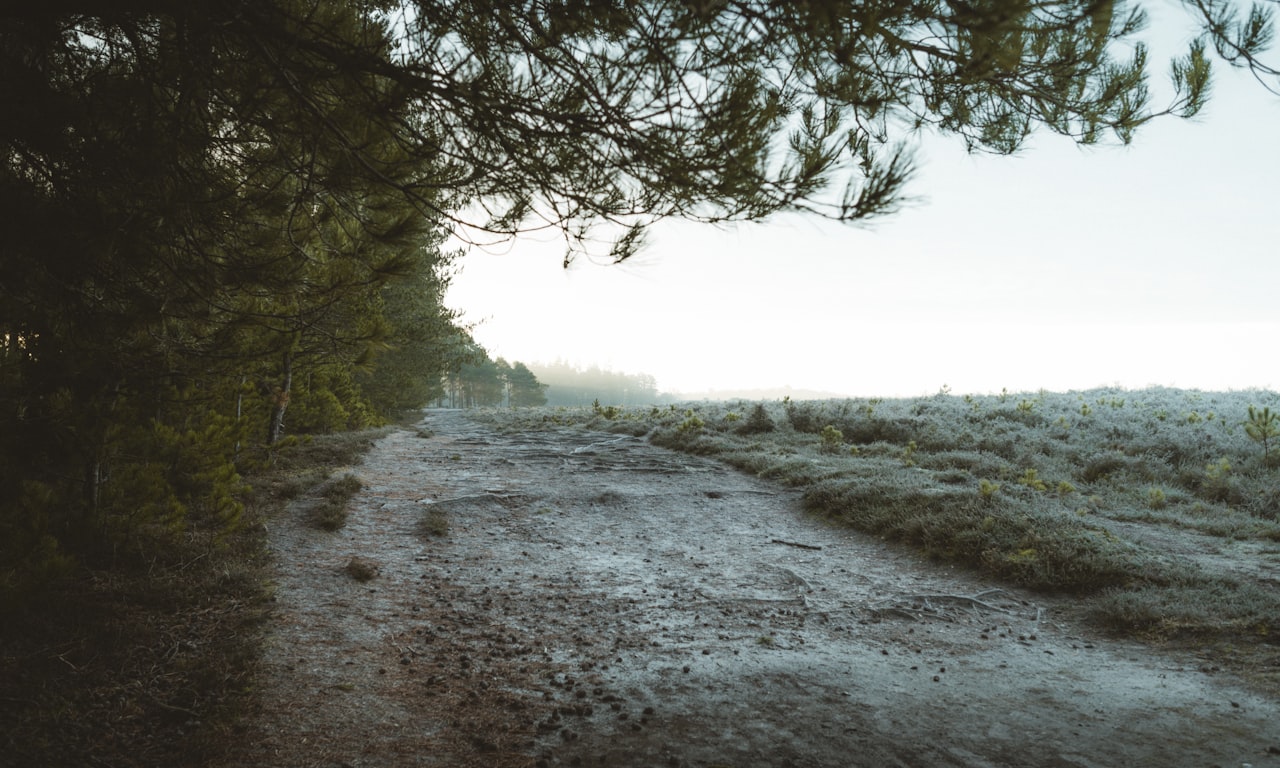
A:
(280, 400)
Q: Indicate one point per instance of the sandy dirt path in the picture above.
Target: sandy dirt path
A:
(599, 601)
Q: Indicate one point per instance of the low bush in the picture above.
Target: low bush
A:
(330, 512)
(758, 423)
(1202, 606)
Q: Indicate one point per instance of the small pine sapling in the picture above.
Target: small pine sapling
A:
(1263, 426)
(758, 422)
(832, 439)
(1031, 479)
(692, 423)
(909, 454)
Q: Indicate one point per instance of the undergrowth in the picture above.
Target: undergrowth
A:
(144, 654)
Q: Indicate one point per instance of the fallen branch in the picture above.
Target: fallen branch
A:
(795, 576)
(468, 497)
(172, 708)
(965, 599)
(918, 606)
(593, 446)
(795, 544)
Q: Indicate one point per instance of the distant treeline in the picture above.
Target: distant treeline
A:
(482, 381)
(569, 385)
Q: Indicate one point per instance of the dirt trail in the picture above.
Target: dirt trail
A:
(599, 601)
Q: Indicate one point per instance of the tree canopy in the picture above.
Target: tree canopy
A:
(218, 208)
(600, 117)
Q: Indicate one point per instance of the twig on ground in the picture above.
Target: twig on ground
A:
(172, 708)
(468, 497)
(795, 576)
(592, 446)
(795, 544)
(964, 599)
(919, 606)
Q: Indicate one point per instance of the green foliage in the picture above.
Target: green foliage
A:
(909, 454)
(423, 345)
(1218, 483)
(179, 266)
(609, 412)
(692, 423)
(1031, 479)
(318, 411)
(1263, 426)
(987, 491)
(478, 382)
(525, 389)
(832, 439)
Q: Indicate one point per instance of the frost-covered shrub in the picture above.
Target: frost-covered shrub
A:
(863, 431)
(1267, 504)
(832, 439)
(804, 417)
(758, 423)
(974, 462)
(1026, 416)
(1102, 466)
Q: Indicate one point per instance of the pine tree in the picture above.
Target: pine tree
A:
(524, 387)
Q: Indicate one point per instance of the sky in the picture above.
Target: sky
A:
(1060, 268)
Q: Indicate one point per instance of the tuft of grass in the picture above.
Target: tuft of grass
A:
(330, 513)
(434, 523)
(1203, 606)
(998, 534)
(360, 569)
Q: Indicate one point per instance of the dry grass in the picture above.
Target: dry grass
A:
(330, 512)
(434, 523)
(361, 569)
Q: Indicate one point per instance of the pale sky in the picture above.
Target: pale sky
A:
(1060, 268)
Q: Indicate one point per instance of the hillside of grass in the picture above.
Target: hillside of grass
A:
(1066, 493)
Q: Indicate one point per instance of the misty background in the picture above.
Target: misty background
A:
(1060, 268)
